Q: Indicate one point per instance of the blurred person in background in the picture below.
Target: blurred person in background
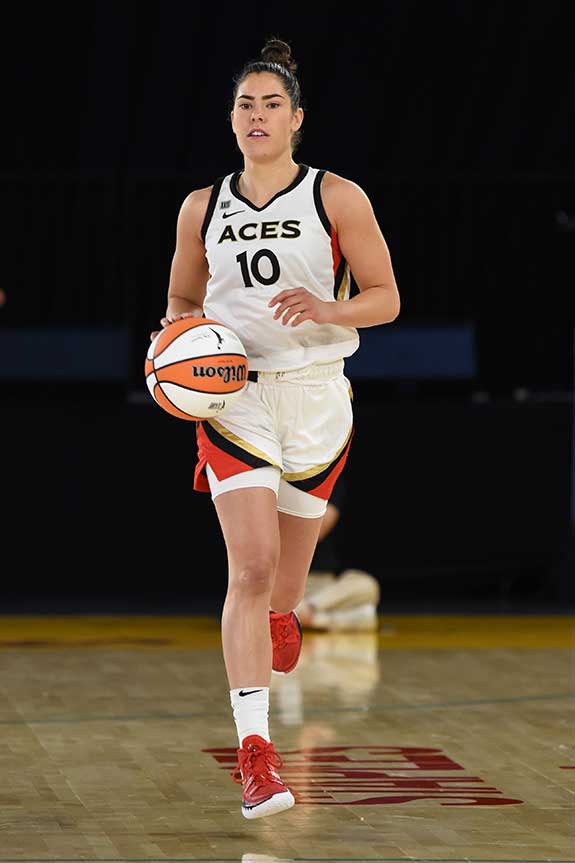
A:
(337, 599)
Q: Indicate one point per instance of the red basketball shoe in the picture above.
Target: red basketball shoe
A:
(263, 791)
(286, 641)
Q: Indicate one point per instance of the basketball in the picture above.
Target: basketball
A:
(196, 368)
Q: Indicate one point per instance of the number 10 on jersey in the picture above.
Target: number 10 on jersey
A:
(252, 268)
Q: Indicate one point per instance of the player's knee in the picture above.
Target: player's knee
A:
(256, 576)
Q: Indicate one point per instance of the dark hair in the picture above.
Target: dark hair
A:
(275, 58)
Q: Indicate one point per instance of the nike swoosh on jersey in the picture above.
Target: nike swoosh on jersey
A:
(229, 215)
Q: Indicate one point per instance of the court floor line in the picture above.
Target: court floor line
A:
(203, 632)
(169, 717)
(282, 860)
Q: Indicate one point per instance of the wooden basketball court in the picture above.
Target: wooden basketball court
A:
(438, 738)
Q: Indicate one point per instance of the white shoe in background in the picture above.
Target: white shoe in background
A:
(316, 581)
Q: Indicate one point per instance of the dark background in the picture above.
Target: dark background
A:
(456, 118)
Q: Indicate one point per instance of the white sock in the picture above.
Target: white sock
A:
(251, 705)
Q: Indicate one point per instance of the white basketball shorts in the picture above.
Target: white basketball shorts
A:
(296, 425)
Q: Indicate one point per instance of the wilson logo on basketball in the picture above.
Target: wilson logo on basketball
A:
(196, 368)
(226, 373)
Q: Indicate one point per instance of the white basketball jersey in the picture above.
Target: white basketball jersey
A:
(254, 253)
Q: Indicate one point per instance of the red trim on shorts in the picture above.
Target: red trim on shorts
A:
(325, 488)
(321, 485)
(221, 461)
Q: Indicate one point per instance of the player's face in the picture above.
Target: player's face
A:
(263, 119)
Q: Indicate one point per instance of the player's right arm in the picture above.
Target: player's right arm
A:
(189, 272)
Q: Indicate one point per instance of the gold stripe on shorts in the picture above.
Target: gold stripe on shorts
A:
(313, 471)
(242, 444)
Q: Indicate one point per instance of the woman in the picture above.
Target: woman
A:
(268, 251)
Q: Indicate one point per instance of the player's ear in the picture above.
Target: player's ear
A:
(297, 119)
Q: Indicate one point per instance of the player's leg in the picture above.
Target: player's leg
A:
(298, 539)
(249, 523)
(314, 454)
(300, 518)
(329, 520)
(325, 563)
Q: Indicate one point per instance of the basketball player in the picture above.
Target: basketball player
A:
(267, 251)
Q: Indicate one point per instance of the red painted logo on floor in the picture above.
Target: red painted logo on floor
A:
(376, 775)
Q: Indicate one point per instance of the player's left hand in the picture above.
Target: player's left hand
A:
(298, 305)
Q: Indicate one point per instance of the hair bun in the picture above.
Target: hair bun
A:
(276, 51)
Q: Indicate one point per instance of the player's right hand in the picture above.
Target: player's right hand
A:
(167, 320)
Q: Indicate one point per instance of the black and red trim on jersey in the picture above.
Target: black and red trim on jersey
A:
(211, 206)
(339, 262)
(319, 203)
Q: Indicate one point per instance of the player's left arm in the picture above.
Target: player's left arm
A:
(365, 250)
(362, 244)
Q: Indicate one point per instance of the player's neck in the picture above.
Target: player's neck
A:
(260, 181)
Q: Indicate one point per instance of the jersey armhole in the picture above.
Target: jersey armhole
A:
(319, 203)
(211, 206)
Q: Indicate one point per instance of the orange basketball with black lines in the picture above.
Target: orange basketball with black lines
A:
(196, 368)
